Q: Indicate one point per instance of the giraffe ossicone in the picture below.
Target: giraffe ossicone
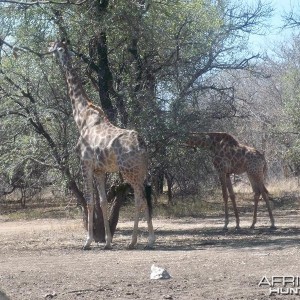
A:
(231, 157)
(104, 148)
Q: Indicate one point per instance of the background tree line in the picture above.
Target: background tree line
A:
(164, 68)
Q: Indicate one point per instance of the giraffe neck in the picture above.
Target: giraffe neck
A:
(201, 140)
(83, 110)
(76, 94)
(213, 141)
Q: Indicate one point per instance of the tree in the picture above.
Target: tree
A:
(153, 66)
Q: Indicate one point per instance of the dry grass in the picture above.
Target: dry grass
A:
(190, 206)
(50, 208)
(207, 202)
(276, 188)
(284, 194)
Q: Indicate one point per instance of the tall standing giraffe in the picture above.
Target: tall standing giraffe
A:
(231, 157)
(104, 148)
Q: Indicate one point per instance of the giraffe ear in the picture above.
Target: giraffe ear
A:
(52, 47)
(66, 41)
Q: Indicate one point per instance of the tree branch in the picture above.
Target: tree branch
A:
(22, 48)
(10, 112)
(41, 162)
(38, 2)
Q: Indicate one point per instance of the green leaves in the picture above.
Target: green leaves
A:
(165, 57)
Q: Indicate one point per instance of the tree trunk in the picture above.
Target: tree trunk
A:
(169, 179)
(116, 196)
(158, 183)
(98, 226)
(104, 77)
(119, 194)
(98, 51)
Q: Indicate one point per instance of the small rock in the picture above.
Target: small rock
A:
(50, 295)
(129, 293)
(159, 273)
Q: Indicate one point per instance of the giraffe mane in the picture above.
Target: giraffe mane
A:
(227, 138)
(97, 108)
(220, 137)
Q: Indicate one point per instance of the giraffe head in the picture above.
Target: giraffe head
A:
(198, 139)
(211, 140)
(60, 49)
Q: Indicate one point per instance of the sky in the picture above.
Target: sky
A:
(276, 35)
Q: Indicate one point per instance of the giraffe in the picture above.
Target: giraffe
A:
(229, 156)
(104, 148)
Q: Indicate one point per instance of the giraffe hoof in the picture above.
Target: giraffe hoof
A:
(85, 247)
(149, 247)
(273, 227)
(107, 247)
(225, 229)
(238, 228)
(130, 246)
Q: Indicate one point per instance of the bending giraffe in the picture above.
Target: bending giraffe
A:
(229, 156)
(104, 148)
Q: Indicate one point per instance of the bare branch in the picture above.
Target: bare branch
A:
(11, 112)
(4, 193)
(41, 162)
(23, 48)
(291, 20)
(43, 2)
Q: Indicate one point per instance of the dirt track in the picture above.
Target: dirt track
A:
(42, 259)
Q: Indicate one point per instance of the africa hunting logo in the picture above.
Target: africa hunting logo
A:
(281, 285)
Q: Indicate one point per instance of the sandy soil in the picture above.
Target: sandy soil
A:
(42, 259)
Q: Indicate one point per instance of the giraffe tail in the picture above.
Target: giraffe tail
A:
(265, 171)
(148, 196)
(265, 190)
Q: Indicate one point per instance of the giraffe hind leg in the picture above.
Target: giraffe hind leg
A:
(256, 198)
(260, 189)
(255, 183)
(136, 181)
(265, 196)
(138, 199)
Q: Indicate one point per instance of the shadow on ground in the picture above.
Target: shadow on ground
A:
(212, 237)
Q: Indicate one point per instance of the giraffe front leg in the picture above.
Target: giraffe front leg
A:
(100, 180)
(225, 198)
(90, 236)
(138, 196)
(151, 237)
(232, 197)
(88, 194)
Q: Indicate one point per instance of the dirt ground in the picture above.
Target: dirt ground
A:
(42, 259)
